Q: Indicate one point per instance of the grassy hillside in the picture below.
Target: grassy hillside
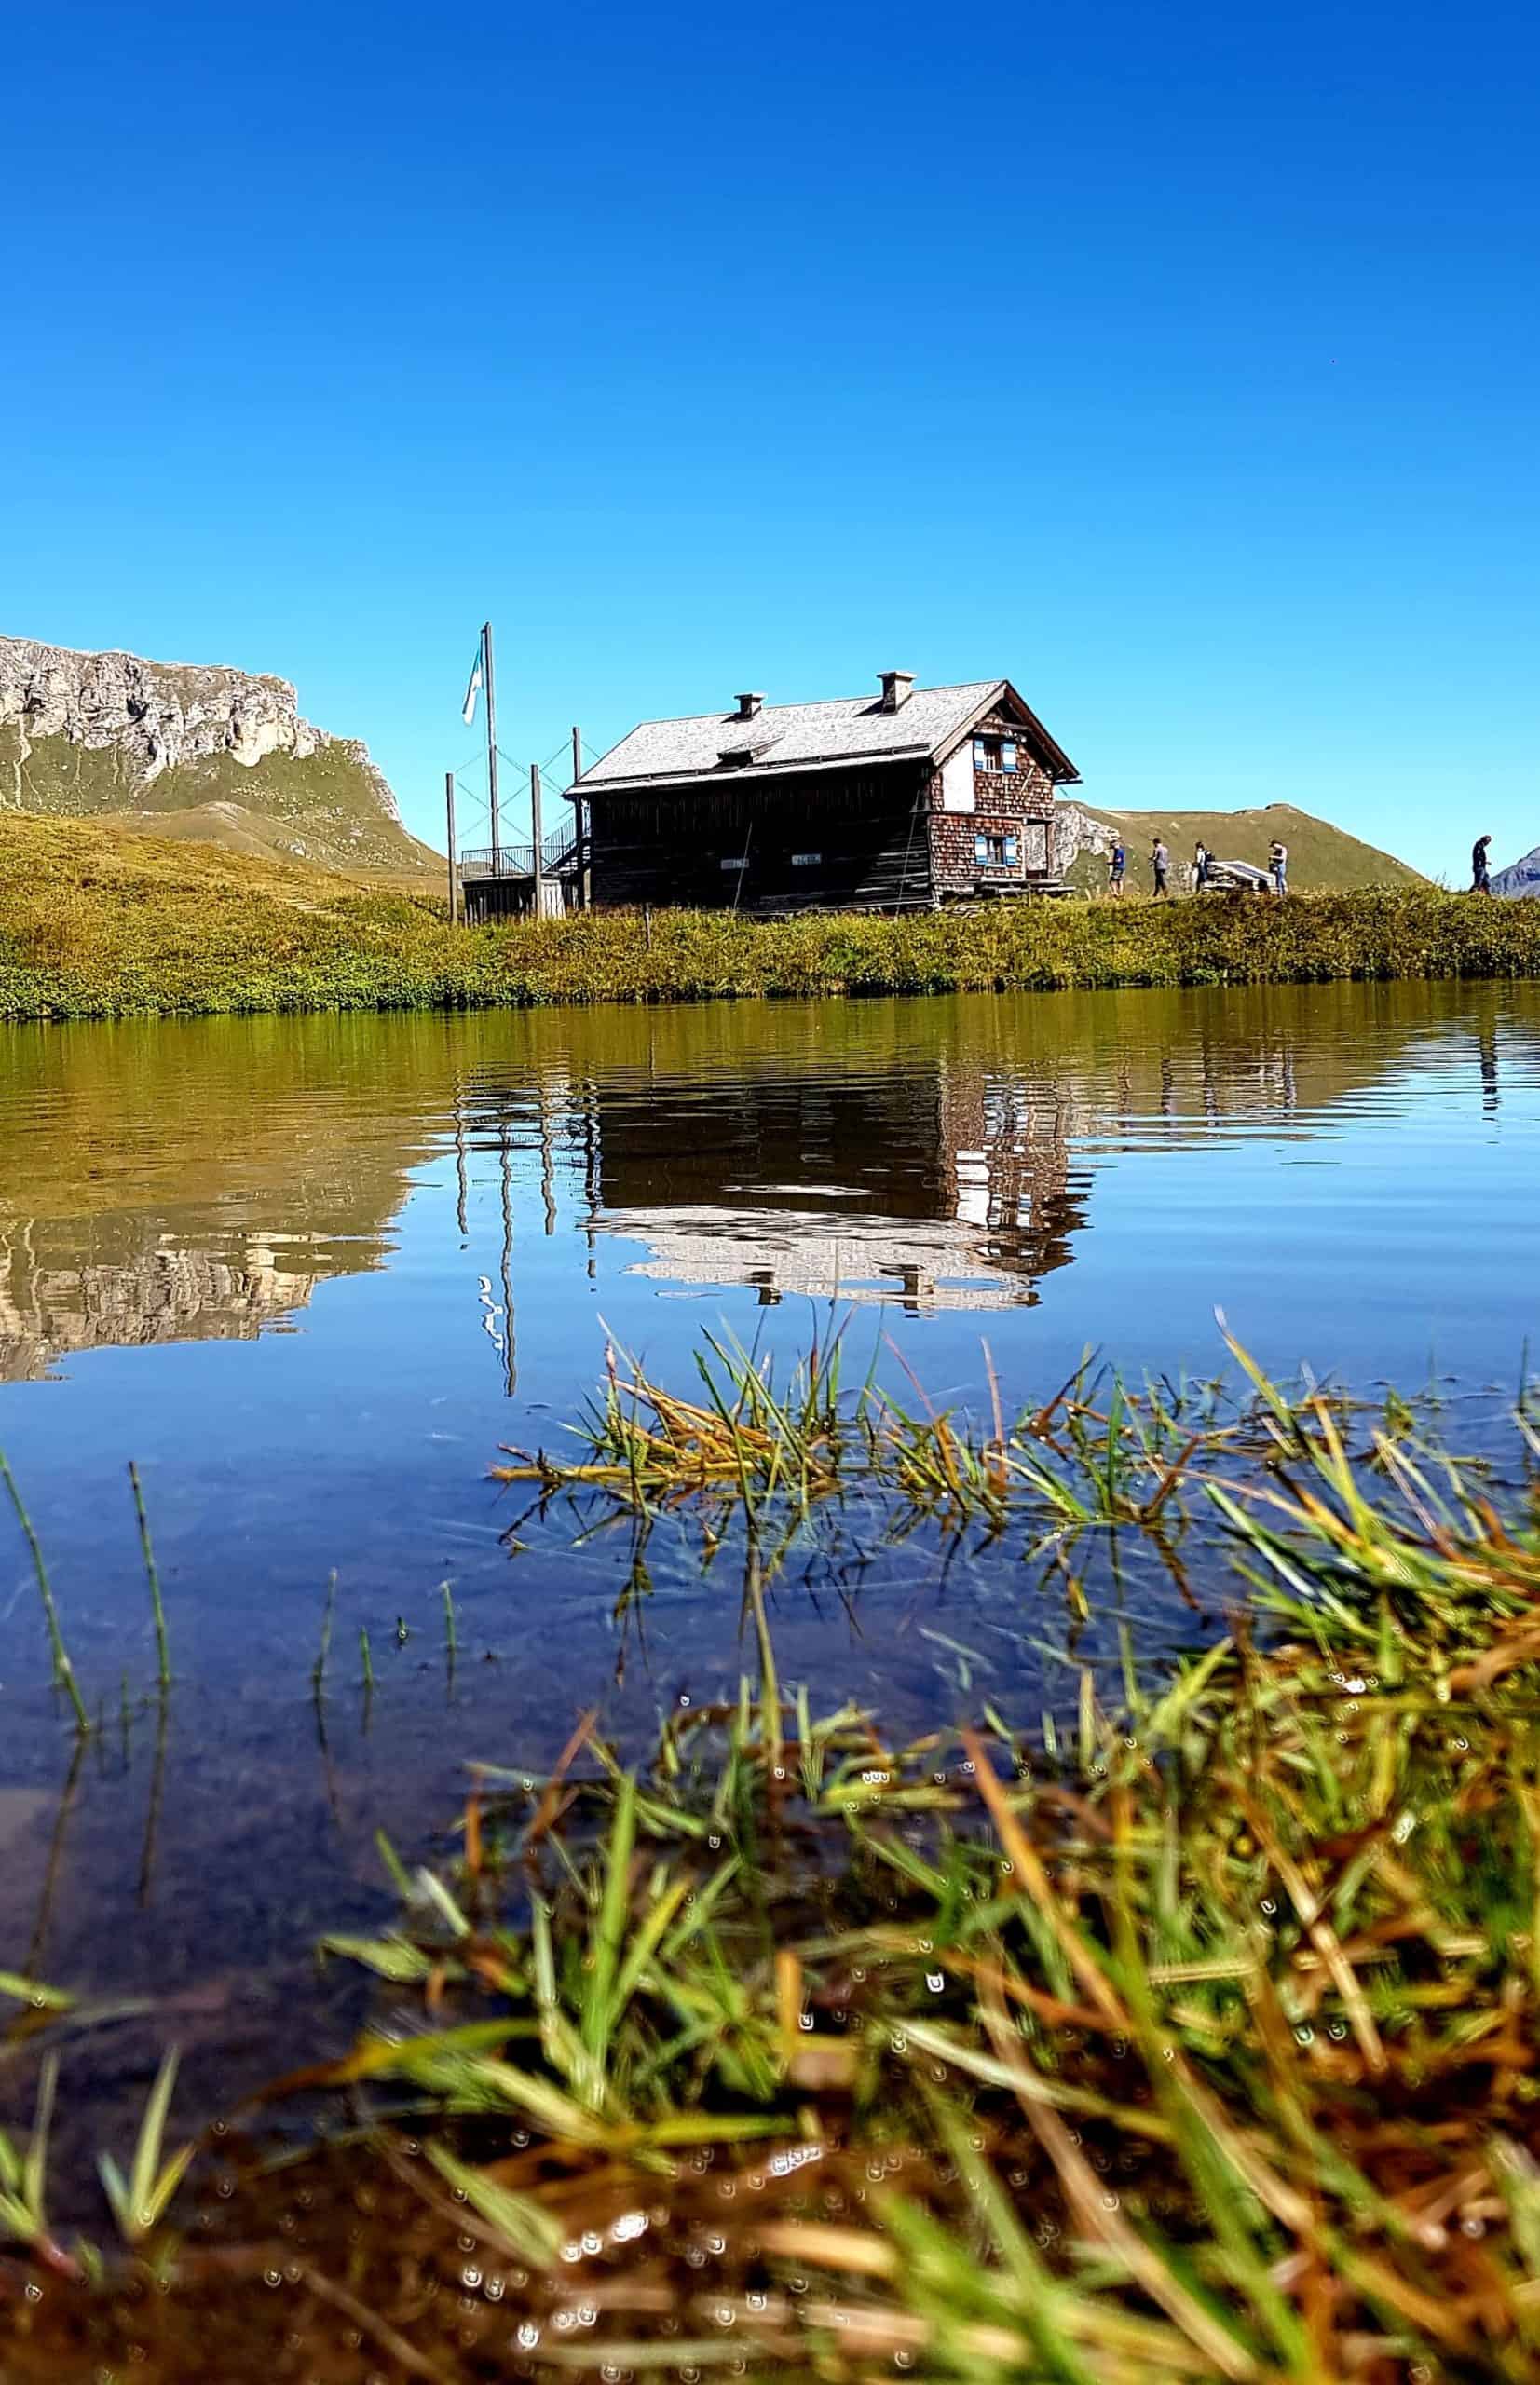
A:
(98, 922)
(326, 807)
(1321, 858)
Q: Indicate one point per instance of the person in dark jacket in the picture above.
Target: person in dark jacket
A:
(1480, 875)
(1116, 869)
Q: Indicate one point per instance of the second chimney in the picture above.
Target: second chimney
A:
(748, 705)
(895, 687)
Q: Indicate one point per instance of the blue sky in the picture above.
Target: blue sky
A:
(1180, 363)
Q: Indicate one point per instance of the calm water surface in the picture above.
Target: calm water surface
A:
(311, 1273)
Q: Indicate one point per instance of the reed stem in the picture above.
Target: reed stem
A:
(318, 1671)
(162, 1650)
(63, 1671)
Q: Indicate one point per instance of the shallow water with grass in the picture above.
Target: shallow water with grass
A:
(311, 1277)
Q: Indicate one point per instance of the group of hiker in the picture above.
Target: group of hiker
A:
(1277, 866)
(1203, 867)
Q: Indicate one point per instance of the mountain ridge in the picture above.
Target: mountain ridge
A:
(1520, 881)
(211, 751)
(1322, 857)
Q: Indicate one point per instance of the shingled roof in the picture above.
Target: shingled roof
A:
(925, 726)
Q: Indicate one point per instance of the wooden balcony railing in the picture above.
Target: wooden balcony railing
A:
(560, 857)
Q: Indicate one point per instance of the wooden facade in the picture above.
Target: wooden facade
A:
(968, 816)
(836, 840)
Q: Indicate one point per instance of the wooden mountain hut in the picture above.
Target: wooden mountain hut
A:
(917, 796)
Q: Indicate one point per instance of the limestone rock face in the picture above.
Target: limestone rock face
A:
(155, 714)
(1077, 831)
(1520, 878)
(207, 751)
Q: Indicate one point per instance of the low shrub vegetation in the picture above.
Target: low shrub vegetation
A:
(96, 923)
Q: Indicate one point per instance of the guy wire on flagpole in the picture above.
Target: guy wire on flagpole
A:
(492, 749)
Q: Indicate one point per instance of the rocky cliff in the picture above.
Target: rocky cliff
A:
(194, 750)
(1077, 831)
(1520, 878)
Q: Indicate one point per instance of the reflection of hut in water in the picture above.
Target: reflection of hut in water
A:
(937, 1190)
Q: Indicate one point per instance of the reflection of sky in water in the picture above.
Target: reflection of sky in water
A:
(310, 1274)
(444, 1213)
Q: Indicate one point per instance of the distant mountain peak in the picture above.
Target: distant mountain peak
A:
(1321, 856)
(1520, 878)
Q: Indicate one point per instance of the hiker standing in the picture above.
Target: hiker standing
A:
(1160, 861)
(1117, 864)
(1277, 862)
(1200, 867)
(1480, 875)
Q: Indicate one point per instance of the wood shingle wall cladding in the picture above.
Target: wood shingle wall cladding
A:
(1006, 839)
(820, 839)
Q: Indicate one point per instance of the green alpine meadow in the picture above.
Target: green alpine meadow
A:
(100, 922)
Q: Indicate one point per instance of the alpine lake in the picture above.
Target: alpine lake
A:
(312, 1276)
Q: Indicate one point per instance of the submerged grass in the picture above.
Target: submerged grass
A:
(152, 1572)
(763, 1453)
(63, 1670)
(1200, 2043)
(99, 925)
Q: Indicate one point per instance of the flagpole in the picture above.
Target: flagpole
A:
(491, 749)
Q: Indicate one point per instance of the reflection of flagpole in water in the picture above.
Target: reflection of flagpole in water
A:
(459, 1164)
(547, 1187)
(497, 1317)
(590, 1177)
(509, 1361)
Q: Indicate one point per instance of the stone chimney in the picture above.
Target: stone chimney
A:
(896, 687)
(748, 705)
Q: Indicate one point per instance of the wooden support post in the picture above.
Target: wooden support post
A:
(536, 892)
(580, 826)
(449, 824)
